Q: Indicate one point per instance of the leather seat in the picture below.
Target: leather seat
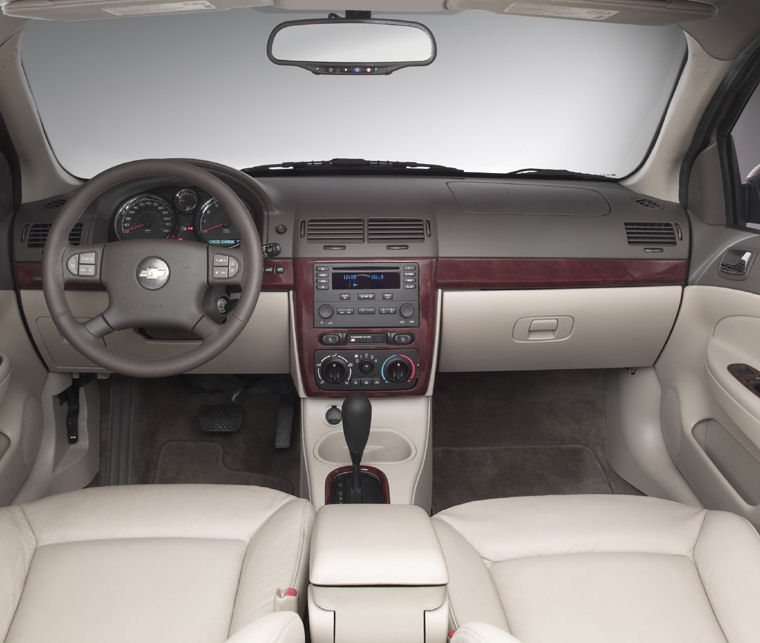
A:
(190, 563)
(600, 569)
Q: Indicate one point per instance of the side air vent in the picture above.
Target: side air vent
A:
(38, 234)
(54, 204)
(335, 230)
(650, 234)
(651, 204)
(395, 230)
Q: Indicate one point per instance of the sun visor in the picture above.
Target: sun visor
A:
(70, 10)
(637, 12)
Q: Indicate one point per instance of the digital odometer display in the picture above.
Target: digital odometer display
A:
(365, 280)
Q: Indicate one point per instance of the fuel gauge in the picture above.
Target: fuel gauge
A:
(186, 200)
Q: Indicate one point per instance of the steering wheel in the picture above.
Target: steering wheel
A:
(152, 282)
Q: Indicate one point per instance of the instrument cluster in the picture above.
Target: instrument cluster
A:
(182, 214)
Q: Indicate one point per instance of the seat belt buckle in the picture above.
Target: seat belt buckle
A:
(286, 600)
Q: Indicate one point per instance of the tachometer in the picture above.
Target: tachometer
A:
(214, 226)
(144, 217)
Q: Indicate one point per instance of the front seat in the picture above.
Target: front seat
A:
(189, 563)
(600, 569)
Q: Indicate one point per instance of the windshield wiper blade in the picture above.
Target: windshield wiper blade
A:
(359, 165)
(542, 173)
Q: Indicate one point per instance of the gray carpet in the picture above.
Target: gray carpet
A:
(168, 445)
(463, 474)
(558, 409)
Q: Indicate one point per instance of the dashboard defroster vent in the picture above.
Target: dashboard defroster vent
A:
(55, 204)
(395, 230)
(38, 234)
(335, 230)
(650, 234)
(651, 204)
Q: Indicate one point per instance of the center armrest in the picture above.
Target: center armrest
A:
(375, 545)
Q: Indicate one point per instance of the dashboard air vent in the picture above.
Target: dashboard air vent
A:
(38, 234)
(650, 234)
(54, 204)
(648, 203)
(395, 230)
(335, 230)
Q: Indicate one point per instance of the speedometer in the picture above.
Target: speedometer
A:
(144, 217)
(214, 225)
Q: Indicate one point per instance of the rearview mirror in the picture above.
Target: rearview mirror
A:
(341, 46)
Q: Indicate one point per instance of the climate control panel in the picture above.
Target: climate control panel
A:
(371, 370)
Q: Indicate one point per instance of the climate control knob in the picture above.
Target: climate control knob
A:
(365, 366)
(334, 371)
(397, 371)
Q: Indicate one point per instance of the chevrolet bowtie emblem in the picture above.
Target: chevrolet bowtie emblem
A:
(152, 273)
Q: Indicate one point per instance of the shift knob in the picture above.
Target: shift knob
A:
(357, 418)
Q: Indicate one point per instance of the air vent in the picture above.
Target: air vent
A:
(395, 230)
(38, 234)
(54, 204)
(651, 204)
(335, 230)
(650, 234)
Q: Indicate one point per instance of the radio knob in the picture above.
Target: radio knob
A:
(406, 310)
(334, 371)
(325, 311)
(397, 371)
(365, 366)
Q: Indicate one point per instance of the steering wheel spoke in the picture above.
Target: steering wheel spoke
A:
(98, 326)
(83, 264)
(206, 327)
(226, 266)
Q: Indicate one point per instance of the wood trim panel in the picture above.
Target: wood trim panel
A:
(559, 273)
(308, 336)
(29, 276)
(373, 471)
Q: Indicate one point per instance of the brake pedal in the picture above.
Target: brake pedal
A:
(221, 418)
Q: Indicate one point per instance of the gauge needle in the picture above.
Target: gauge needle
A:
(134, 227)
(214, 227)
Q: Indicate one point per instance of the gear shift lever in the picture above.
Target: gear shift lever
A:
(357, 418)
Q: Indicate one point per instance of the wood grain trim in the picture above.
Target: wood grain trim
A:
(373, 471)
(559, 273)
(308, 336)
(29, 276)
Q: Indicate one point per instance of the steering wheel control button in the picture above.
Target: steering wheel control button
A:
(221, 260)
(73, 264)
(87, 257)
(86, 270)
(234, 267)
(221, 272)
(152, 273)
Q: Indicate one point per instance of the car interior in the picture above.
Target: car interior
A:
(362, 321)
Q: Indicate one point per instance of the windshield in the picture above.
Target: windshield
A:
(505, 92)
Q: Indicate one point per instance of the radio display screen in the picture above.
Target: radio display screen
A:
(375, 280)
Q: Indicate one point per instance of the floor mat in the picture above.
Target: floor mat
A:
(462, 474)
(554, 421)
(203, 462)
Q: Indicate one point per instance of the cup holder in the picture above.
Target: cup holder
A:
(383, 447)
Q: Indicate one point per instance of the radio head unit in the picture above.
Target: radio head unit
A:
(366, 296)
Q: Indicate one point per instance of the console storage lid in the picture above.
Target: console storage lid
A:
(375, 545)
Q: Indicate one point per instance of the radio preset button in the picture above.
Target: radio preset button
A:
(367, 311)
(387, 295)
(345, 311)
(321, 281)
(345, 296)
(321, 287)
(410, 266)
(387, 311)
(410, 280)
(406, 286)
(366, 295)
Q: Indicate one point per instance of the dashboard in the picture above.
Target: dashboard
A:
(377, 281)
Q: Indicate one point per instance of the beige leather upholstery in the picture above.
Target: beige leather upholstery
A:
(602, 568)
(190, 563)
(482, 633)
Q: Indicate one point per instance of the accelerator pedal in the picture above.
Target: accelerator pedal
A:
(285, 416)
(221, 418)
